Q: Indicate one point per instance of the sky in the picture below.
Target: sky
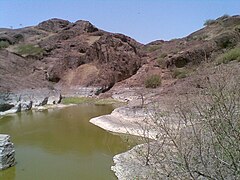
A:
(143, 20)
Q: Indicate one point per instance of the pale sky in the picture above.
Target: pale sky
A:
(143, 20)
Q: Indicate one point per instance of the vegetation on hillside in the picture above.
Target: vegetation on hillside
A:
(180, 73)
(152, 48)
(4, 44)
(29, 49)
(153, 81)
(233, 54)
(209, 22)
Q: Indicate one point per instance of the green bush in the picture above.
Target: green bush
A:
(233, 54)
(180, 73)
(209, 22)
(29, 49)
(153, 81)
(4, 44)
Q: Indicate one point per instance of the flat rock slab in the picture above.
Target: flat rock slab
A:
(125, 120)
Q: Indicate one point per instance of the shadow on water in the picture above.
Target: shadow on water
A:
(61, 144)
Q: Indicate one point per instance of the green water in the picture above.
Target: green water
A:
(61, 144)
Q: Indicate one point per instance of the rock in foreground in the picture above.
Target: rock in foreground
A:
(7, 152)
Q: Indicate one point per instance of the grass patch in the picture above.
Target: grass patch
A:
(29, 49)
(4, 44)
(106, 101)
(180, 73)
(77, 100)
(153, 81)
(81, 100)
(233, 54)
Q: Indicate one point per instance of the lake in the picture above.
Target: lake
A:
(61, 144)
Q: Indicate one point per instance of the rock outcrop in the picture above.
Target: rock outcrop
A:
(27, 99)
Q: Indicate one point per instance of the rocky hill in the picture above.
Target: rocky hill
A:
(57, 54)
(183, 63)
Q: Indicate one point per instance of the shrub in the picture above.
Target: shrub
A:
(180, 73)
(226, 40)
(225, 16)
(209, 22)
(4, 44)
(233, 54)
(161, 62)
(29, 49)
(152, 48)
(19, 37)
(153, 81)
